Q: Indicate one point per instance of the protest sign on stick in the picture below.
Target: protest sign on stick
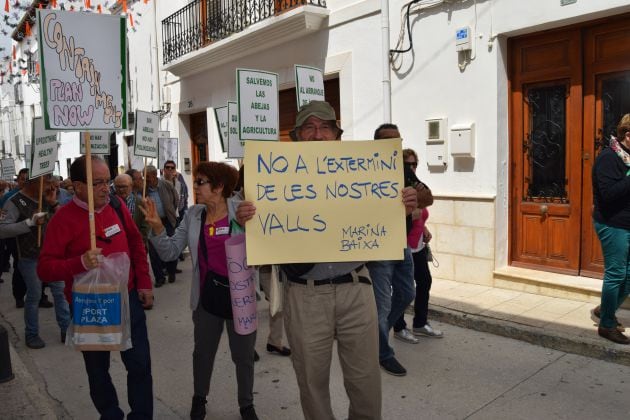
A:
(83, 70)
(8, 169)
(325, 201)
(235, 145)
(43, 157)
(221, 117)
(167, 150)
(146, 134)
(309, 85)
(258, 116)
(99, 142)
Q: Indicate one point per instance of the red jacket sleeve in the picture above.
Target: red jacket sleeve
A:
(53, 264)
(137, 251)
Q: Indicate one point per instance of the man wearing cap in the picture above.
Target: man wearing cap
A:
(327, 301)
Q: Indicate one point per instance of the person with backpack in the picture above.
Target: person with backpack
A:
(67, 252)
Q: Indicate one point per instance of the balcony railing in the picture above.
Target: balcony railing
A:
(205, 21)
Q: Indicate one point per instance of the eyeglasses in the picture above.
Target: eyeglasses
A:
(200, 182)
(324, 127)
(412, 164)
(121, 187)
(169, 167)
(100, 182)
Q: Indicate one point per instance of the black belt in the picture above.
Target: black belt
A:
(346, 278)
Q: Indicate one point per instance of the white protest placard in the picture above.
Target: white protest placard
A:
(258, 110)
(309, 85)
(146, 135)
(8, 169)
(99, 143)
(168, 150)
(221, 117)
(235, 145)
(27, 155)
(43, 150)
(83, 70)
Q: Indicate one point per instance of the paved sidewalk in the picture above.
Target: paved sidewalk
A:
(560, 324)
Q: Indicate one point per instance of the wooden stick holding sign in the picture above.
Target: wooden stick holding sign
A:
(39, 210)
(144, 180)
(90, 190)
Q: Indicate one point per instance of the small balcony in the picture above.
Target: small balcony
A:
(205, 22)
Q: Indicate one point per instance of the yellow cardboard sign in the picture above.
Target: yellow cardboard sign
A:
(324, 201)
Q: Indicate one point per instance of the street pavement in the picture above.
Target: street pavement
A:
(466, 375)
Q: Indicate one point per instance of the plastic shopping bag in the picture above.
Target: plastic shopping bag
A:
(100, 307)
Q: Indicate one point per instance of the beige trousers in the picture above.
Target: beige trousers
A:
(314, 317)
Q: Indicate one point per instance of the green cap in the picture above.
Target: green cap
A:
(318, 109)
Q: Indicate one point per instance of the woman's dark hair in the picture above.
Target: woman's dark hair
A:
(77, 169)
(218, 173)
(240, 185)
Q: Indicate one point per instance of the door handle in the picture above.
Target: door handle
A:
(544, 209)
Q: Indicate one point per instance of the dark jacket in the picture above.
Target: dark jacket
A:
(611, 190)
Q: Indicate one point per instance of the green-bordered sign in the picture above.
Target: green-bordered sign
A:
(309, 85)
(221, 117)
(99, 143)
(258, 114)
(83, 70)
(146, 136)
(43, 150)
(235, 145)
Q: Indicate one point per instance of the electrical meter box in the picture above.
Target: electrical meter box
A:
(436, 134)
(463, 39)
(463, 140)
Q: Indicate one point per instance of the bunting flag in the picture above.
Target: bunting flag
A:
(124, 3)
(27, 29)
(99, 9)
(88, 5)
(131, 19)
(40, 6)
(53, 3)
(37, 68)
(146, 1)
(14, 54)
(6, 6)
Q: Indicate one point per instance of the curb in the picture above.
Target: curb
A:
(584, 346)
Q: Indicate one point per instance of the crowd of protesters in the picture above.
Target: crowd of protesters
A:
(154, 226)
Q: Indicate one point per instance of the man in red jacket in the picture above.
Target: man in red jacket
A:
(66, 252)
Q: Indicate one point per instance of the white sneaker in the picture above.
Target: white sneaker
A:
(428, 331)
(406, 336)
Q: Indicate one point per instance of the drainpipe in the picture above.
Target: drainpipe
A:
(387, 84)
(156, 81)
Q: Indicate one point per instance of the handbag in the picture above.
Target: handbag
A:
(215, 294)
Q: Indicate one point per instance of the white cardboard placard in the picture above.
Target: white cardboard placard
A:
(146, 135)
(83, 70)
(309, 85)
(99, 143)
(168, 150)
(221, 117)
(258, 110)
(43, 150)
(8, 169)
(235, 145)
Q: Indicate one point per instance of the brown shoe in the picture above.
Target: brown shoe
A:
(597, 313)
(613, 334)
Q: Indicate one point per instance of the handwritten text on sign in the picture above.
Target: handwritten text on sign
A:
(83, 70)
(146, 138)
(44, 149)
(324, 201)
(242, 286)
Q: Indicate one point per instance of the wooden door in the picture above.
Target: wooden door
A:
(606, 100)
(199, 138)
(546, 143)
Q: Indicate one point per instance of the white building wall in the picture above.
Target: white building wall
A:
(470, 216)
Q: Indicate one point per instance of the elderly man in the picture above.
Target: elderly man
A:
(166, 200)
(123, 186)
(327, 301)
(67, 252)
(20, 220)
